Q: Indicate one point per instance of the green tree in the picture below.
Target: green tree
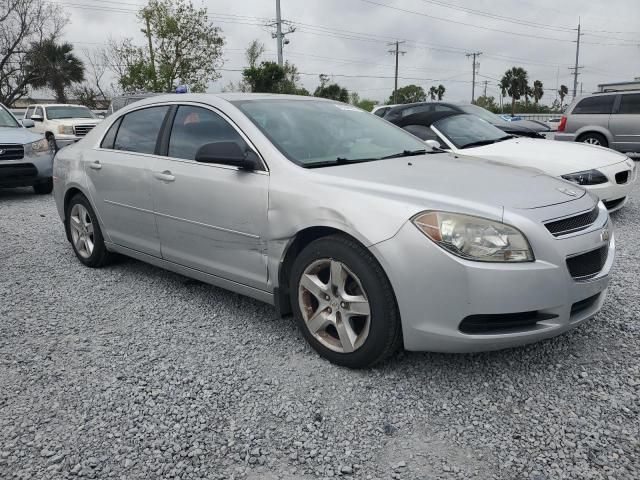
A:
(332, 91)
(58, 68)
(269, 77)
(433, 93)
(538, 91)
(488, 103)
(440, 91)
(562, 92)
(364, 103)
(408, 94)
(182, 47)
(515, 84)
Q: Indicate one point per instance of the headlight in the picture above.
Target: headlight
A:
(588, 177)
(65, 130)
(475, 238)
(40, 146)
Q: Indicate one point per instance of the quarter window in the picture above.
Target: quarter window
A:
(598, 104)
(630, 104)
(194, 127)
(110, 137)
(139, 130)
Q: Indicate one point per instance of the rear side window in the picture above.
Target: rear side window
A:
(422, 132)
(139, 130)
(598, 104)
(194, 127)
(381, 111)
(630, 104)
(110, 137)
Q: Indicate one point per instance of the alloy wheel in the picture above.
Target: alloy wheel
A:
(81, 230)
(334, 305)
(592, 141)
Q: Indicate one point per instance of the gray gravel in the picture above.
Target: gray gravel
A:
(132, 372)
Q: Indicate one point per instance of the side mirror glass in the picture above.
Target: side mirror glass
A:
(434, 144)
(27, 123)
(36, 118)
(227, 153)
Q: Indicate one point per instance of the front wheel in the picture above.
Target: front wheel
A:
(85, 234)
(344, 304)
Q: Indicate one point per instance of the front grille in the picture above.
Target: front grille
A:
(623, 177)
(611, 204)
(501, 322)
(82, 130)
(573, 224)
(587, 265)
(11, 152)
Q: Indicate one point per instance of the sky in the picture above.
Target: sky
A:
(349, 40)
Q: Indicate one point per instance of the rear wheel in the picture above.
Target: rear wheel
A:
(344, 303)
(594, 139)
(44, 187)
(85, 234)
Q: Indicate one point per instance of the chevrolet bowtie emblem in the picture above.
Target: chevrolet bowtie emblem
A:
(604, 235)
(2, 151)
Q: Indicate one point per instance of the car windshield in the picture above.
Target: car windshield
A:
(466, 131)
(56, 113)
(486, 115)
(316, 133)
(6, 119)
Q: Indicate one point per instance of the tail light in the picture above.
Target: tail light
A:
(563, 124)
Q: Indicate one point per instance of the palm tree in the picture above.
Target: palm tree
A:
(56, 66)
(538, 91)
(515, 84)
(433, 93)
(440, 91)
(563, 92)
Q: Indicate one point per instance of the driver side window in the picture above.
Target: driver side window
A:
(194, 127)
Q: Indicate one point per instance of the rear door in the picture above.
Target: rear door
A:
(119, 174)
(210, 217)
(590, 112)
(625, 123)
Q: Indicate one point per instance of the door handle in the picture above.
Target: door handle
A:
(165, 176)
(95, 165)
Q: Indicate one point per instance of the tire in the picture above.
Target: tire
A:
(83, 229)
(336, 304)
(53, 146)
(594, 139)
(45, 187)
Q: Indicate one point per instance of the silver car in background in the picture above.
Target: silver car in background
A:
(371, 239)
(608, 119)
(26, 159)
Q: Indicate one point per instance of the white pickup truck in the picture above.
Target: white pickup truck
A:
(61, 124)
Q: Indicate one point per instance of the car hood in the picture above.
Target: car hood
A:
(453, 180)
(549, 156)
(18, 135)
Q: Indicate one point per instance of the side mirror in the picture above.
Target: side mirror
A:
(227, 153)
(27, 123)
(434, 144)
(37, 118)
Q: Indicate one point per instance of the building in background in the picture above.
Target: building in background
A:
(608, 87)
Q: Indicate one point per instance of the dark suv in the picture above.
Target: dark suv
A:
(396, 113)
(608, 119)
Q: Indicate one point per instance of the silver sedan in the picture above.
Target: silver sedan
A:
(371, 240)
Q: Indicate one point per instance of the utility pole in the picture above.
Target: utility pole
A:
(152, 58)
(279, 35)
(473, 84)
(486, 82)
(576, 68)
(397, 52)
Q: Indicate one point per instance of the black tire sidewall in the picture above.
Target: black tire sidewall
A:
(385, 320)
(99, 253)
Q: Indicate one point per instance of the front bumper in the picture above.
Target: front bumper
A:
(65, 140)
(614, 194)
(28, 171)
(436, 290)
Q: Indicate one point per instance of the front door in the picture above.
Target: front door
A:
(210, 217)
(119, 177)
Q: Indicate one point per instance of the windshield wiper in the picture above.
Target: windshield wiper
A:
(337, 161)
(405, 153)
(479, 143)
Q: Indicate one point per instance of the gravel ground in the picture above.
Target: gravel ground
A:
(132, 372)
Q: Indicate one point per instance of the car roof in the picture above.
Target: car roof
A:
(229, 97)
(55, 105)
(426, 118)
